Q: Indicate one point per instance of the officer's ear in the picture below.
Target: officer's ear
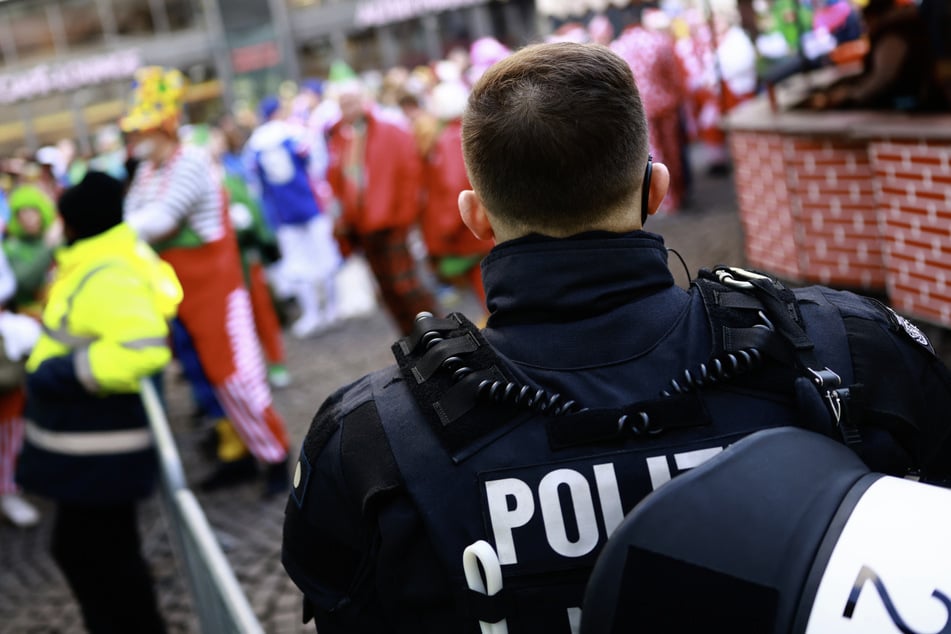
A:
(474, 215)
(660, 182)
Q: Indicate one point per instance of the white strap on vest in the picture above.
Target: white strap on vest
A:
(481, 554)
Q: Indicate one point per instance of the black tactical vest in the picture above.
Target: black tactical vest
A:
(543, 481)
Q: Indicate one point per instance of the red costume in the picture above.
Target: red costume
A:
(444, 176)
(375, 174)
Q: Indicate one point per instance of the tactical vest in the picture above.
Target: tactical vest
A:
(539, 482)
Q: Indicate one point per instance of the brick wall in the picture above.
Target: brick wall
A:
(808, 209)
(766, 214)
(830, 183)
(913, 183)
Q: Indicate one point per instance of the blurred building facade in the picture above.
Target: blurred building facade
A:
(65, 65)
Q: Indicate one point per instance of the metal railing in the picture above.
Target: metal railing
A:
(217, 596)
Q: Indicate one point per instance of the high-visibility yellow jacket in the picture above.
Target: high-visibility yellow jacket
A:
(109, 305)
(105, 327)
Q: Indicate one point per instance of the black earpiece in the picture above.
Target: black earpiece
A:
(646, 188)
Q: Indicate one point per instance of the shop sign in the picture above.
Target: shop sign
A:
(376, 12)
(246, 59)
(44, 79)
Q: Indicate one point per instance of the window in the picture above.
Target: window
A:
(316, 56)
(31, 31)
(81, 23)
(185, 14)
(133, 17)
(363, 51)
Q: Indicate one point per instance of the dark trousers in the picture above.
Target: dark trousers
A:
(99, 551)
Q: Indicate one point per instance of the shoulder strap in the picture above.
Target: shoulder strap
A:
(748, 309)
(444, 361)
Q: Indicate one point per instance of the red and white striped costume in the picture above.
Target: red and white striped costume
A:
(11, 438)
(180, 208)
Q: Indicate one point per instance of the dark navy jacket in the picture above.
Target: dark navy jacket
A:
(384, 505)
(58, 402)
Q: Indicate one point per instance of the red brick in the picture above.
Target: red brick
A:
(940, 231)
(927, 276)
(931, 314)
(907, 210)
(893, 190)
(817, 192)
(917, 177)
(885, 156)
(909, 258)
(937, 297)
(928, 194)
(919, 244)
(869, 217)
(922, 160)
(909, 290)
(848, 280)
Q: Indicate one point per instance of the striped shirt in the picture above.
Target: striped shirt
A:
(183, 192)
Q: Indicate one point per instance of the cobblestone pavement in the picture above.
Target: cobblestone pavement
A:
(33, 594)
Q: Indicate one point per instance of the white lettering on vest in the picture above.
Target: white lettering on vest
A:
(511, 504)
(610, 496)
(504, 519)
(554, 517)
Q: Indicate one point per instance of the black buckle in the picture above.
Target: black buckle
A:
(825, 378)
(435, 357)
(735, 277)
(638, 425)
(837, 399)
(425, 323)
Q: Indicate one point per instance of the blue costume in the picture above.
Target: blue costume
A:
(280, 159)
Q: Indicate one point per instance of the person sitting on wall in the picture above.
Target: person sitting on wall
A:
(899, 69)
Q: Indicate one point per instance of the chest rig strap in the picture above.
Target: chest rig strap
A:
(443, 362)
(739, 303)
(471, 397)
(450, 368)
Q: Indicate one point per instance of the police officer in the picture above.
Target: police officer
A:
(471, 486)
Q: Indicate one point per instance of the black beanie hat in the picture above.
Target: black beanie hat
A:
(92, 206)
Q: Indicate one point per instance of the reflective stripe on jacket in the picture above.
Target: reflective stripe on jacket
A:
(104, 328)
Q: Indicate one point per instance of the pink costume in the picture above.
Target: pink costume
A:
(660, 82)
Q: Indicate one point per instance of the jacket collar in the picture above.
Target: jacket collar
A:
(537, 279)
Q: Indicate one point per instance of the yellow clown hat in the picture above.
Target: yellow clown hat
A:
(156, 97)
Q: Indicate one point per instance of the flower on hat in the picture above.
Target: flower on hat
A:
(155, 98)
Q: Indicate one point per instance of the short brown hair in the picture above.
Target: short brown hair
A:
(555, 136)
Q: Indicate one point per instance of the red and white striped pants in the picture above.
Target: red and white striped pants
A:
(245, 394)
(216, 312)
(11, 442)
